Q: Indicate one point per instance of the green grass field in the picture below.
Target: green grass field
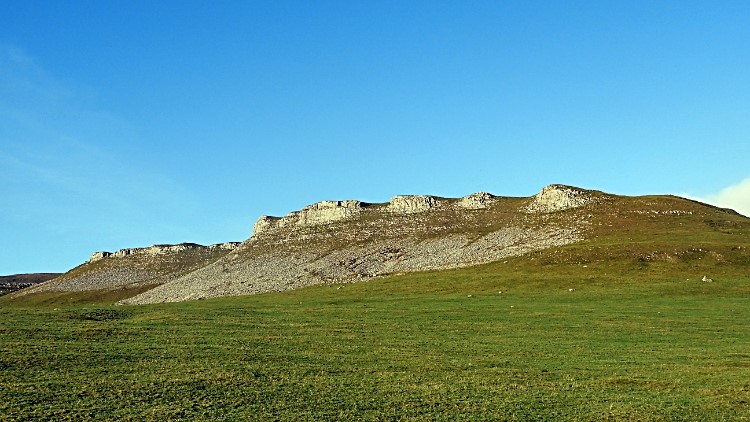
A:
(633, 341)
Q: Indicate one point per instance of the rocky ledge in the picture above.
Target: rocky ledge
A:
(156, 250)
(327, 212)
(561, 197)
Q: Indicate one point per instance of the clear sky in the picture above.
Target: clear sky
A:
(131, 123)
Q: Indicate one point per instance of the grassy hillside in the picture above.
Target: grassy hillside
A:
(629, 344)
(617, 327)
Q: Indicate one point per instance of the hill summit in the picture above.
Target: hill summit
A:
(350, 241)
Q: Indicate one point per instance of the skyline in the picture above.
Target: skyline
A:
(126, 125)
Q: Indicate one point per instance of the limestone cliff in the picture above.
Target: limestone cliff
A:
(161, 250)
(324, 212)
(347, 241)
(407, 204)
(561, 197)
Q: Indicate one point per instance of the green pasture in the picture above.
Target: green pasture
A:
(633, 340)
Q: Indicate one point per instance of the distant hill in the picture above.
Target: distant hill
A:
(11, 283)
(353, 241)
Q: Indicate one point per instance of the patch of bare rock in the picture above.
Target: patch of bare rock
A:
(560, 197)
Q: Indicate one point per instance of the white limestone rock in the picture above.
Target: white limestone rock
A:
(228, 246)
(157, 250)
(168, 249)
(125, 252)
(319, 213)
(265, 222)
(96, 256)
(557, 198)
(409, 204)
(327, 212)
(476, 201)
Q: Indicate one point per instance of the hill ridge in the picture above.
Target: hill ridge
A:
(349, 240)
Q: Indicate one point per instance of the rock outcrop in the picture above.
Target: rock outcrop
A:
(99, 255)
(159, 250)
(475, 201)
(559, 197)
(408, 204)
(319, 213)
(226, 246)
(265, 222)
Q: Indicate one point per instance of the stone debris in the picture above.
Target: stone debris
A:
(152, 265)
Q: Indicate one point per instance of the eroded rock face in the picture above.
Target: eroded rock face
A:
(475, 201)
(319, 213)
(558, 198)
(265, 222)
(328, 212)
(409, 204)
(228, 246)
(156, 250)
(96, 256)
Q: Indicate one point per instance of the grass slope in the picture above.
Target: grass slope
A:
(639, 338)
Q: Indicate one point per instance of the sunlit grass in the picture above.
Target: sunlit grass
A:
(428, 346)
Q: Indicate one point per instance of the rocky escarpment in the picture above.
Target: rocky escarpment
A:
(347, 241)
(156, 250)
(407, 204)
(475, 201)
(152, 265)
(561, 197)
(324, 212)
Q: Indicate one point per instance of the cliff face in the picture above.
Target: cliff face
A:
(157, 250)
(348, 241)
(325, 212)
(560, 197)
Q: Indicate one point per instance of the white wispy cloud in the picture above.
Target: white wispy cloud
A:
(736, 197)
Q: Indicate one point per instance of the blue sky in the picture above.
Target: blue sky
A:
(130, 123)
